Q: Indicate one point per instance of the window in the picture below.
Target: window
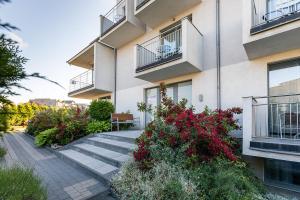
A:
(176, 92)
(282, 173)
(108, 98)
(279, 8)
(284, 103)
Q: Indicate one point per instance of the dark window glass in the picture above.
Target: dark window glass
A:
(283, 174)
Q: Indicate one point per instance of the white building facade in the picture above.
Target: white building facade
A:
(215, 53)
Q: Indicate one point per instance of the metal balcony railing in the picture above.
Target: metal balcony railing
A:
(264, 11)
(82, 81)
(116, 15)
(277, 117)
(161, 48)
(140, 3)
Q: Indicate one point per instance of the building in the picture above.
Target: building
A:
(45, 102)
(213, 53)
(58, 103)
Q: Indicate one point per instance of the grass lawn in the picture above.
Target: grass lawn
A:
(20, 184)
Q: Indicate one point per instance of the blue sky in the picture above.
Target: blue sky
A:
(52, 31)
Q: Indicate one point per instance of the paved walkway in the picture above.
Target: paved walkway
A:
(63, 182)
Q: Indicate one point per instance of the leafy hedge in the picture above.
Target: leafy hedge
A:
(46, 137)
(2, 152)
(101, 110)
(98, 127)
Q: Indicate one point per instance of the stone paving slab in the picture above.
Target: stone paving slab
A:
(63, 182)
(114, 142)
(89, 162)
(119, 157)
(128, 134)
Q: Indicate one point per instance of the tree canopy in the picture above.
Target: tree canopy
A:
(12, 63)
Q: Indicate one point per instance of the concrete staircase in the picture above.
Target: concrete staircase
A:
(101, 155)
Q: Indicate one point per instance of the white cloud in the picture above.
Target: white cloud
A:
(18, 39)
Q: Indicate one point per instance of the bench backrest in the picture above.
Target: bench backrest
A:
(121, 117)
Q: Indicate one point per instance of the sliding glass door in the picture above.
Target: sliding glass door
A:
(176, 92)
(284, 101)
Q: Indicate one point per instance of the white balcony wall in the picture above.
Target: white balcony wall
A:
(156, 12)
(250, 125)
(191, 60)
(104, 68)
(277, 39)
(123, 31)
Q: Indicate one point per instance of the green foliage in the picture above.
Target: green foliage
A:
(218, 180)
(2, 152)
(101, 110)
(98, 127)
(12, 70)
(20, 184)
(188, 155)
(47, 119)
(18, 115)
(46, 137)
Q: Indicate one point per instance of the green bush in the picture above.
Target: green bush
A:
(20, 184)
(2, 152)
(4, 122)
(46, 120)
(101, 110)
(98, 127)
(46, 137)
(218, 180)
(188, 155)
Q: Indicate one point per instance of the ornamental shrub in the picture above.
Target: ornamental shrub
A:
(46, 137)
(18, 183)
(98, 127)
(2, 152)
(180, 135)
(74, 128)
(219, 179)
(188, 155)
(46, 120)
(101, 110)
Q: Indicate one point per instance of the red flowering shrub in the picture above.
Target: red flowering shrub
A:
(180, 133)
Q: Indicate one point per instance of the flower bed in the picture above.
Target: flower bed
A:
(188, 155)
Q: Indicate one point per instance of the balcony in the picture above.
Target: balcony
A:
(119, 20)
(175, 52)
(155, 12)
(271, 125)
(98, 79)
(270, 26)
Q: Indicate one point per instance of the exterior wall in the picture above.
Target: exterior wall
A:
(104, 67)
(234, 60)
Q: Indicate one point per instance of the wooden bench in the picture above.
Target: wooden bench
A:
(123, 118)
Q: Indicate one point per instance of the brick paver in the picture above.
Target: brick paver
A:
(63, 181)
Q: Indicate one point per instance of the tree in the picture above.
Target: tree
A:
(12, 69)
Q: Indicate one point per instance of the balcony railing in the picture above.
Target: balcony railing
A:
(115, 16)
(276, 117)
(82, 81)
(264, 12)
(140, 3)
(163, 48)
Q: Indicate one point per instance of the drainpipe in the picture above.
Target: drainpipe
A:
(115, 85)
(218, 51)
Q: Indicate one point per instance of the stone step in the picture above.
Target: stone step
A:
(123, 136)
(105, 155)
(114, 145)
(101, 170)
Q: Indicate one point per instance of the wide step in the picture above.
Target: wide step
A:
(105, 153)
(97, 166)
(116, 143)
